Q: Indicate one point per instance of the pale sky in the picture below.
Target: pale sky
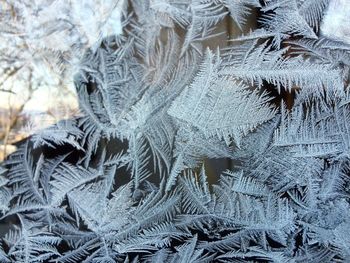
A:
(336, 23)
(43, 98)
(93, 20)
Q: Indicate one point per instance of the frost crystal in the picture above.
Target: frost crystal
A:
(130, 178)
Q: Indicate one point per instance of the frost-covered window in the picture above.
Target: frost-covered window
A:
(207, 131)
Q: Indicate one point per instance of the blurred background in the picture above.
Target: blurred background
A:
(41, 43)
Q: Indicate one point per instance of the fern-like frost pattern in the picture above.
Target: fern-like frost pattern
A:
(130, 180)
